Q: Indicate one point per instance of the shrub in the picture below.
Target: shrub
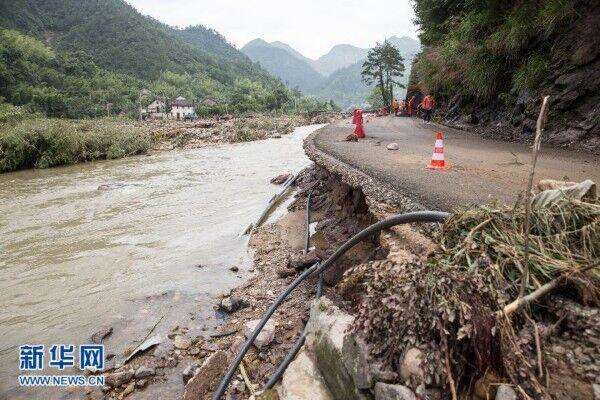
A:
(43, 143)
(531, 74)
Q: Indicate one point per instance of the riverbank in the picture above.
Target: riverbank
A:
(50, 142)
(136, 239)
(395, 345)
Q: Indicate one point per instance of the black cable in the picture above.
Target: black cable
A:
(418, 216)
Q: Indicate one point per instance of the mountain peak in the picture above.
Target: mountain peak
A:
(255, 42)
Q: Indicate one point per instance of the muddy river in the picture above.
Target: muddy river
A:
(96, 244)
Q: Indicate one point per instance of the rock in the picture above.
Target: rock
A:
(384, 391)
(189, 372)
(524, 98)
(234, 269)
(181, 342)
(270, 394)
(302, 381)
(141, 383)
(505, 392)
(485, 387)
(392, 146)
(238, 386)
(355, 357)
(325, 332)
(286, 272)
(265, 337)
(410, 367)
(281, 179)
(129, 389)
(117, 379)
(596, 391)
(207, 377)
(302, 261)
(144, 372)
(351, 138)
(101, 334)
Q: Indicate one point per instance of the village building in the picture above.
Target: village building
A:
(157, 109)
(209, 101)
(182, 108)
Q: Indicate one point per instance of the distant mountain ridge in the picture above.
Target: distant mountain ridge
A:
(333, 76)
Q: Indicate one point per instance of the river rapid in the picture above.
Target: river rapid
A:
(119, 242)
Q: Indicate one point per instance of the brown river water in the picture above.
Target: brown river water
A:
(84, 246)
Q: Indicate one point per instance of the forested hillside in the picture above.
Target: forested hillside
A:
(490, 63)
(70, 58)
(286, 66)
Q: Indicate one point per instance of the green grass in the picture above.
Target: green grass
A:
(44, 143)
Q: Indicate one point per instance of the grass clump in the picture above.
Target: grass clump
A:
(44, 143)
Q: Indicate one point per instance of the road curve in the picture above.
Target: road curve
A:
(481, 170)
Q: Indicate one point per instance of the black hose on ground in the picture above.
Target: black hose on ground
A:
(300, 342)
(412, 217)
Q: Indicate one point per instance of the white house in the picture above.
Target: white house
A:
(181, 108)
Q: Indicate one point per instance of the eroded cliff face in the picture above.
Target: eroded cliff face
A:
(564, 65)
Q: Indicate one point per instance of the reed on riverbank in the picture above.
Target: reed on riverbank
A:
(49, 142)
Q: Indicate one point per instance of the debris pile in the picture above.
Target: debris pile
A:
(170, 134)
(462, 308)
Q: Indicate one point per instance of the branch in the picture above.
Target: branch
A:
(536, 149)
(543, 290)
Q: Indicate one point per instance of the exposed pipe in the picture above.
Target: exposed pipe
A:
(412, 217)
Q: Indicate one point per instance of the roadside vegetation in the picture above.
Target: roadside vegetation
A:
(488, 50)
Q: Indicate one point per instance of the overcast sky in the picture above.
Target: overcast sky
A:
(310, 26)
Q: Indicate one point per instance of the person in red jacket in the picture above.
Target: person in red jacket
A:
(427, 105)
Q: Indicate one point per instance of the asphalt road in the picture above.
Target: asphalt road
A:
(481, 170)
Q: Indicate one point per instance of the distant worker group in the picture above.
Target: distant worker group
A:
(410, 108)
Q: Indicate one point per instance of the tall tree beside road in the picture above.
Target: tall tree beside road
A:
(383, 66)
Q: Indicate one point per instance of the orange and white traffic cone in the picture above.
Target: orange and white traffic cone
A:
(437, 159)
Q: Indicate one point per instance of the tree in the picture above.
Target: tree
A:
(383, 65)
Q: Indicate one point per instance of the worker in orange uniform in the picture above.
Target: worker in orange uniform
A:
(395, 107)
(427, 105)
(411, 106)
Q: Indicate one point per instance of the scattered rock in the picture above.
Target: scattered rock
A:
(392, 146)
(505, 392)
(207, 377)
(189, 372)
(596, 391)
(281, 179)
(326, 330)
(302, 261)
(101, 334)
(234, 269)
(182, 342)
(141, 383)
(351, 138)
(144, 372)
(118, 378)
(265, 337)
(302, 381)
(384, 391)
(128, 390)
(410, 367)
